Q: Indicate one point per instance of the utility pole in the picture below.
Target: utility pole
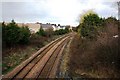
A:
(118, 10)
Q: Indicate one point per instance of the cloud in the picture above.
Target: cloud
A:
(55, 11)
(22, 10)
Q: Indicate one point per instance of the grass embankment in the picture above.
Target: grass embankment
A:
(98, 58)
(11, 57)
(18, 43)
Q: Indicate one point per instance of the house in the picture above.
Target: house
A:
(60, 27)
(48, 26)
(55, 27)
(52, 26)
(33, 27)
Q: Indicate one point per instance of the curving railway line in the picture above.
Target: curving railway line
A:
(42, 64)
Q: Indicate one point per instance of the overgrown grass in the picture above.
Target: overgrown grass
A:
(98, 58)
(90, 59)
(11, 57)
(15, 57)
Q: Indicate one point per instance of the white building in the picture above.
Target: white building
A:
(47, 26)
(60, 27)
(33, 27)
(51, 26)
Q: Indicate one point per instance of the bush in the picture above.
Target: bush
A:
(49, 32)
(13, 35)
(90, 25)
(10, 33)
(66, 30)
(24, 35)
(37, 41)
(61, 31)
(41, 32)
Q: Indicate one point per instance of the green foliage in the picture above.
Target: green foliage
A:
(41, 32)
(24, 35)
(88, 28)
(109, 20)
(61, 31)
(10, 33)
(49, 32)
(66, 30)
(13, 35)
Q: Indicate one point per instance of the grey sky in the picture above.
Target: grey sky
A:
(55, 11)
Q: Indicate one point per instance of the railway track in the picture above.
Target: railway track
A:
(43, 64)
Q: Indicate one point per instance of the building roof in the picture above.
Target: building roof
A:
(46, 26)
(34, 27)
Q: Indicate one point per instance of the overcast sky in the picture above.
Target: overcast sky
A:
(64, 12)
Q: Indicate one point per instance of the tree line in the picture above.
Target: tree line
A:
(13, 35)
(91, 24)
(97, 38)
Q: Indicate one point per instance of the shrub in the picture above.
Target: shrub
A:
(12, 34)
(24, 35)
(61, 31)
(37, 41)
(90, 25)
(41, 32)
(49, 32)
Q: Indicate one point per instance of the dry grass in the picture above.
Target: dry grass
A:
(96, 58)
(11, 57)
(15, 57)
